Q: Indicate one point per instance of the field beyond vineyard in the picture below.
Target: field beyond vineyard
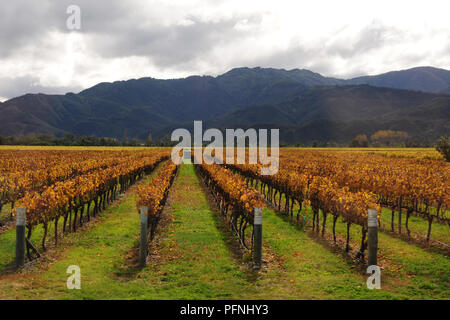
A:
(82, 209)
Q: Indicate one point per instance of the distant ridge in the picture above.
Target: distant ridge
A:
(426, 79)
(305, 105)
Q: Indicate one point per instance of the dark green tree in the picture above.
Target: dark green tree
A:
(443, 147)
(360, 141)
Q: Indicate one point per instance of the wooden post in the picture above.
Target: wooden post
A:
(372, 224)
(257, 247)
(21, 217)
(144, 238)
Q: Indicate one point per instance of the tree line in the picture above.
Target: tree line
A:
(382, 138)
(387, 138)
(80, 140)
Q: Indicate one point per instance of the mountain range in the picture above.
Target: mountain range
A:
(305, 105)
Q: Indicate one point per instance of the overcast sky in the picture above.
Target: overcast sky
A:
(169, 39)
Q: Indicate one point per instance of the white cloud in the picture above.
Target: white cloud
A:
(168, 39)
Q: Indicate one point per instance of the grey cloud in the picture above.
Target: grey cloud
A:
(100, 16)
(110, 29)
(316, 57)
(116, 29)
(171, 45)
(14, 87)
(373, 36)
(21, 22)
(446, 49)
(27, 22)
